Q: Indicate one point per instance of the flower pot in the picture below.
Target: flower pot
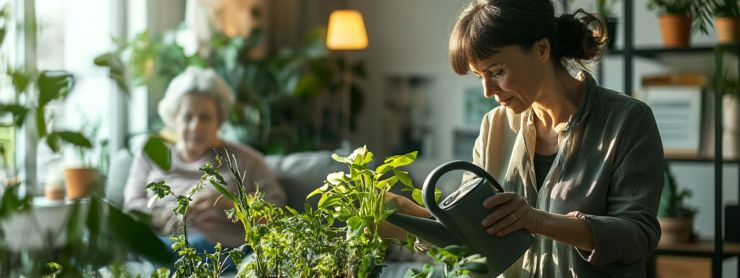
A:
(676, 30)
(80, 181)
(54, 192)
(611, 31)
(675, 230)
(728, 29)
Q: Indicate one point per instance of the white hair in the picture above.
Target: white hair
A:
(196, 81)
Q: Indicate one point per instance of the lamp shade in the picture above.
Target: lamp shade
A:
(346, 31)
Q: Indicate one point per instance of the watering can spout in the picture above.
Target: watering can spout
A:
(426, 229)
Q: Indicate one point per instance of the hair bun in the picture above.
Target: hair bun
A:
(575, 39)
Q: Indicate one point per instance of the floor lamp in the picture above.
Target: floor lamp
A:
(346, 32)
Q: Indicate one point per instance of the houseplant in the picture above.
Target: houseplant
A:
(675, 216)
(283, 98)
(675, 18)
(605, 9)
(95, 233)
(289, 244)
(727, 20)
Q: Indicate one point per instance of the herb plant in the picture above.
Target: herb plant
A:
(672, 201)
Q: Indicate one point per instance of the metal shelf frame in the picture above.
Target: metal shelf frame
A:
(628, 54)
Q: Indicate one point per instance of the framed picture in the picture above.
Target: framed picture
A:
(676, 102)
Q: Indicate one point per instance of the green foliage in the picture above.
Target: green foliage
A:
(671, 6)
(286, 243)
(277, 95)
(672, 201)
(698, 10)
(605, 8)
(156, 150)
(455, 263)
(724, 8)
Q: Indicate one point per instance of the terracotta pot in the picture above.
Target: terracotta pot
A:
(80, 181)
(676, 30)
(54, 192)
(728, 29)
(675, 230)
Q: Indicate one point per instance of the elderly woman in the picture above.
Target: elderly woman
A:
(195, 105)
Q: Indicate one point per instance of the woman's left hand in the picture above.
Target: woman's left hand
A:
(511, 213)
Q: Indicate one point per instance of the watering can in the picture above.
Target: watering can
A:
(459, 216)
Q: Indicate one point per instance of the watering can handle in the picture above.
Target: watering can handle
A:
(430, 184)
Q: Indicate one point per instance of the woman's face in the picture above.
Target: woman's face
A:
(197, 124)
(512, 76)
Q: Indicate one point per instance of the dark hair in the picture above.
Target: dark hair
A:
(486, 25)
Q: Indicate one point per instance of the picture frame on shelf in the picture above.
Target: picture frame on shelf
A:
(676, 102)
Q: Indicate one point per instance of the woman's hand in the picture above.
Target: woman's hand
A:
(511, 213)
(405, 205)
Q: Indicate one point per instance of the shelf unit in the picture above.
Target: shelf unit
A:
(628, 53)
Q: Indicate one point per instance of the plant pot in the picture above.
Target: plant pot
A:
(80, 181)
(54, 192)
(675, 230)
(728, 29)
(676, 30)
(611, 31)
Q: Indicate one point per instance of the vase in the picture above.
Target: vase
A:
(675, 229)
(676, 30)
(80, 182)
(728, 29)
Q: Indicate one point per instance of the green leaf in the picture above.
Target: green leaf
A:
(387, 183)
(54, 85)
(319, 190)
(137, 236)
(17, 111)
(382, 169)
(41, 122)
(52, 140)
(403, 176)
(223, 190)
(74, 138)
(354, 222)
(474, 263)
(322, 202)
(158, 152)
(341, 159)
(401, 160)
(20, 80)
(416, 195)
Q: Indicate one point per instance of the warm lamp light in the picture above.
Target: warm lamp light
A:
(346, 31)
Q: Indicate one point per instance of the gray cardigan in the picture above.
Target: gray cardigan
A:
(183, 176)
(608, 171)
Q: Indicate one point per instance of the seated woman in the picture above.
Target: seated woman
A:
(195, 105)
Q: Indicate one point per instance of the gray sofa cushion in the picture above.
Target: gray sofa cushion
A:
(301, 173)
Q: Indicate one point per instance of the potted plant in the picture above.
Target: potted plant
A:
(727, 20)
(286, 243)
(675, 19)
(605, 9)
(675, 216)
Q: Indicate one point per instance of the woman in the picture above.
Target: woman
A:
(581, 164)
(195, 105)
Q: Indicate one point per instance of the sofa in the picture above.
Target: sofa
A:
(299, 174)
